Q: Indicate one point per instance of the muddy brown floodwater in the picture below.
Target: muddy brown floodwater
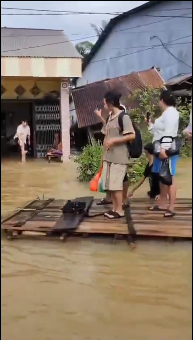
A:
(88, 289)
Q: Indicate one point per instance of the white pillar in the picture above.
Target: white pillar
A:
(65, 120)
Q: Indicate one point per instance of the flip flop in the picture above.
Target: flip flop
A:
(103, 202)
(156, 208)
(169, 214)
(112, 215)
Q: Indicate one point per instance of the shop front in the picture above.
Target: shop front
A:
(37, 89)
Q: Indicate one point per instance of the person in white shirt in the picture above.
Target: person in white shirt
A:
(166, 126)
(23, 137)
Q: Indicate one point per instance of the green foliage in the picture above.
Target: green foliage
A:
(100, 30)
(136, 169)
(146, 102)
(89, 161)
(186, 150)
(84, 47)
(184, 110)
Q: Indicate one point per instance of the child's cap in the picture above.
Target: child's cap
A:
(149, 148)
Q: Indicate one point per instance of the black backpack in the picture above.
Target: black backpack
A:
(135, 148)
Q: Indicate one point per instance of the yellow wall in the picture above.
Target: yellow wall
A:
(44, 85)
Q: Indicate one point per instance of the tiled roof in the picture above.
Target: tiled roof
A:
(23, 42)
(87, 97)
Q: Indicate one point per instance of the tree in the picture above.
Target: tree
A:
(101, 29)
(145, 101)
(84, 47)
(148, 102)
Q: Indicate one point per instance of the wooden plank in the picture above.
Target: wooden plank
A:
(56, 204)
(71, 221)
(47, 216)
(31, 225)
(21, 217)
(95, 228)
(148, 200)
(137, 205)
(38, 204)
(47, 220)
(144, 218)
(153, 230)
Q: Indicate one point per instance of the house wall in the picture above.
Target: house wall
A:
(45, 87)
(135, 33)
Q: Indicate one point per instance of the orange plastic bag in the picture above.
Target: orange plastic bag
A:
(95, 181)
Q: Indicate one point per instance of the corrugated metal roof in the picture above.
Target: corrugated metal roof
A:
(178, 80)
(87, 97)
(183, 93)
(151, 78)
(23, 42)
(112, 23)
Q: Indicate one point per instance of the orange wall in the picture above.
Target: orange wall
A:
(44, 85)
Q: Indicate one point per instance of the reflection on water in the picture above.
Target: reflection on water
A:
(89, 289)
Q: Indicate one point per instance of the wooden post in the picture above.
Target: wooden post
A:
(130, 225)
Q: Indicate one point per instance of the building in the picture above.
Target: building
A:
(158, 33)
(181, 85)
(36, 68)
(86, 98)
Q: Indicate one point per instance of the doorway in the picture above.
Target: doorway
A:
(12, 113)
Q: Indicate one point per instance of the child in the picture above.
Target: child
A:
(153, 178)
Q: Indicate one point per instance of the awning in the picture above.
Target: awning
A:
(41, 67)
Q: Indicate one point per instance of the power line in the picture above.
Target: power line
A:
(57, 35)
(119, 48)
(115, 31)
(143, 50)
(80, 12)
(127, 54)
(87, 13)
(59, 12)
(165, 47)
(93, 36)
(144, 25)
(131, 47)
(67, 41)
(44, 45)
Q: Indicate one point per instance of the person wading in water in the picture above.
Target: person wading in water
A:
(22, 136)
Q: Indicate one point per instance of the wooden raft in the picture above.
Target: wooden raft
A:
(42, 216)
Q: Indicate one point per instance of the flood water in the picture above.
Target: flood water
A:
(89, 289)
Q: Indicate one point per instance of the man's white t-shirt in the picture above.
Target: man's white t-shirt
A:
(23, 132)
(166, 126)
